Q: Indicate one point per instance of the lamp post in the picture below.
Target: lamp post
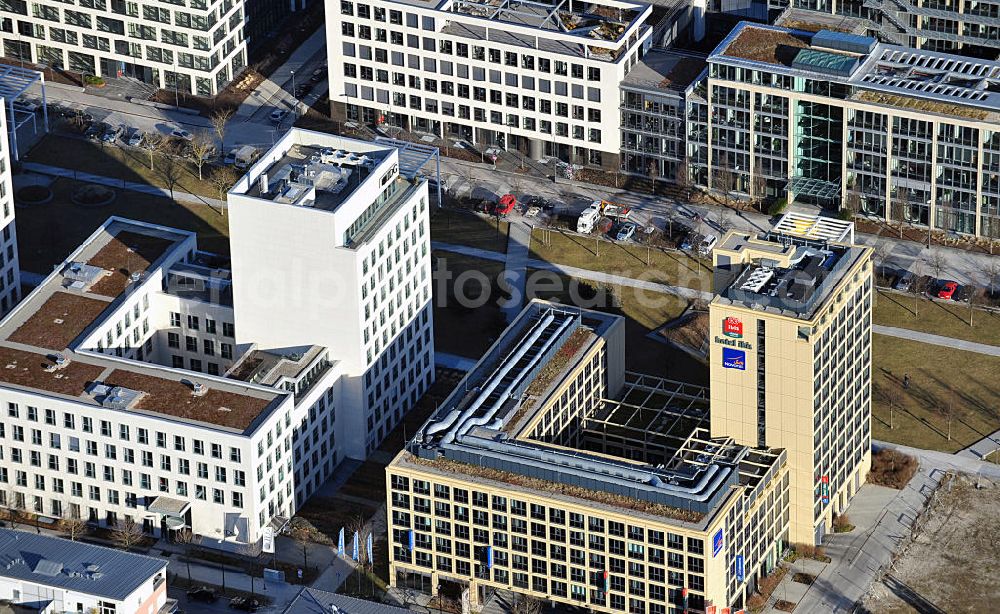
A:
(295, 96)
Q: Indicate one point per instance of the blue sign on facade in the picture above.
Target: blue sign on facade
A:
(734, 359)
(717, 543)
(740, 573)
(489, 557)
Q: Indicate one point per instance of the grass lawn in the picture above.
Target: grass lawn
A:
(125, 163)
(939, 318)
(464, 330)
(470, 229)
(48, 233)
(626, 258)
(644, 311)
(939, 378)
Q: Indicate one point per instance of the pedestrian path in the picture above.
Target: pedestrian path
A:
(948, 342)
(572, 271)
(987, 445)
(518, 241)
(132, 186)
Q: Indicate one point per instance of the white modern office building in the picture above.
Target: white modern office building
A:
(132, 387)
(331, 234)
(538, 78)
(197, 46)
(10, 273)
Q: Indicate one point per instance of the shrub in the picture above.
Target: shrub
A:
(756, 602)
(845, 215)
(842, 524)
(891, 468)
(810, 551)
(778, 207)
(784, 606)
(94, 80)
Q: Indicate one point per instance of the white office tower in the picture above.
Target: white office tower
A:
(10, 273)
(331, 246)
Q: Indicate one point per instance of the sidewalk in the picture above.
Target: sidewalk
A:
(987, 445)
(948, 342)
(579, 273)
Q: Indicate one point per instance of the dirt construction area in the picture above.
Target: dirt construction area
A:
(951, 565)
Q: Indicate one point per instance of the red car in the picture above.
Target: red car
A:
(947, 290)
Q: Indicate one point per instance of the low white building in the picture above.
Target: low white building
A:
(53, 576)
(330, 243)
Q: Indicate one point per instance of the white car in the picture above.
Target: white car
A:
(705, 248)
(278, 115)
(180, 133)
(135, 138)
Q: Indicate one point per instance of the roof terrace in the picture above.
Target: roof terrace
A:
(473, 432)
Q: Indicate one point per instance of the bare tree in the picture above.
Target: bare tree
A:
(252, 550)
(153, 143)
(220, 121)
(892, 397)
(201, 149)
(170, 172)
(357, 524)
(522, 604)
(852, 202)
(301, 536)
(15, 507)
(975, 297)
(72, 524)
(724, 180)
(991, 272)
(188, 540)
(947, 410)
(682, 177)
(758, 191)
(223, 178)
(937, 261)
(127, 533)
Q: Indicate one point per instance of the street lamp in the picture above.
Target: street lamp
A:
(294, 95)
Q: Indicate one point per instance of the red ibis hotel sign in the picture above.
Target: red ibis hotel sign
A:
(732, 334)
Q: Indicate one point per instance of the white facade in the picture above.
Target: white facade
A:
(10, 272)
(165, 459)
(347, 269)
(498, 76)
(201, 42)
(57, 577)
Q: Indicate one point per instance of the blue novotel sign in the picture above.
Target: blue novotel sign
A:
(717, 543)
(734, 359)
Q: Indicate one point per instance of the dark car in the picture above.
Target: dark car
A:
(302, 90)
(246, 604)
(96, 131)
(203, 594)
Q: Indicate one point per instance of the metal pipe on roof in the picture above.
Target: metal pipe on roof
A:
(498, 375)
(486, 417)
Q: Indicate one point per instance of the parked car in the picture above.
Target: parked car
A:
(947, 290)
(278, 115)
(904, 283)
(135, 138)
(318, 75)
(302, 90)
(202, 594)
(112, 134)
(691, 239)
(625, 232)
(97, 130)
(180, 133)
(246, 604)
(706, 245)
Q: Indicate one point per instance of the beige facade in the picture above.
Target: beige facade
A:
(804, 381)
(528, 516)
